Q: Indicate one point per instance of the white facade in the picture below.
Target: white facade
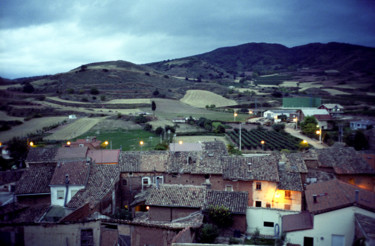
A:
(265, 220)
(58, 193)
(335, 226)
(266, 195)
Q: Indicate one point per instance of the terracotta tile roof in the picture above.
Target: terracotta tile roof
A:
(66, 153)
(367, 225)
(36, 179)
(77, 171)
(215, 148)
(335, 194)
(290, 181)
(236, 202)
(183, 162)
(144, 161)
(343, 160)
(101, 181)
(10, 176)
(41, 155)
(104, 156)
(188, 196)
(297, 222)
(323, 117)
(251, 168)
(294, 162)
(19, 213)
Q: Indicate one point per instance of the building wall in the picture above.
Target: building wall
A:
(58, 234)
(185, 236)
(293, 203)
(168, 213)
(239, 222)
(366, 182)
(265, 195)
(142, 235)
(60, 202)
(338, 222)
(256, 217)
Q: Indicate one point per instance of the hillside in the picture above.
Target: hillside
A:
(268, 58)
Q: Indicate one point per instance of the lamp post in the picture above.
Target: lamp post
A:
(234, 116)
(263, 143)
(320, 133)
(240, 138)
(141, 143)
(295, 120)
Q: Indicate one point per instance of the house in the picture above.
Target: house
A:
(332, 207)
(68, 178)
(236, 202)
(333, 108)
(275, 113)
(41, 155)
(177, 147)
(361, 124)
(364, 229)
(89, 142)
(324, 121)
(104, 156)
(310, 112)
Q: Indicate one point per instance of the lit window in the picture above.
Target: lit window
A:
(287, 206)
(258, 204)
(268, 205)
(287, 194)
(258, 186)
(60, 194)
(228, 188)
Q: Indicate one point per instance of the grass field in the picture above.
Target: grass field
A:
(201, 98)
(128, 140)
(196, 139)
(335, 92)
(74, 129)
(30, 127)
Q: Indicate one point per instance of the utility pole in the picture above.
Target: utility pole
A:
(240, 136)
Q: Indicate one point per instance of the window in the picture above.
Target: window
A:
(81, 145)
(258, 204)
(287, 194)
(308, 241)
(268, 205)
(124, 182)
(267, 224)
(73, 192)
(160, 179)
(87, 237)
(287, 206)
(228, 188)
(258, 186)
(60, 194)
(146, 181)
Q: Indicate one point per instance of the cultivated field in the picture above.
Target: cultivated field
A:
(31, 126)
(196, 139)
(201, 98)
(5, 116)
(74, 129)
(335, 92)
(129, 101)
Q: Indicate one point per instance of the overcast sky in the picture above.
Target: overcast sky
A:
(40, 37)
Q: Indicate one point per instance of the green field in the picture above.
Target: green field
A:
(128, 139)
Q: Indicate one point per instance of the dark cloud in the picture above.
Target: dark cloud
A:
(43, 36)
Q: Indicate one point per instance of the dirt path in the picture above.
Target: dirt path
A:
(315, 143)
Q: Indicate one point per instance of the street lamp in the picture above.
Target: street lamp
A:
(31, 144)
(68, 143)
(250, 111)
(234, 116)
(319, 132)
(263, 143)
(296, 121)
(180, 142)
(141, 143)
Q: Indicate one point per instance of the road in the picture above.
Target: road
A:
(315, 143)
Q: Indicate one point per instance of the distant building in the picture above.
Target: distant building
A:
(361, 124)
(333, 108)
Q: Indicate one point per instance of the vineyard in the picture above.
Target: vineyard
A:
(272, 140)
(272, 80)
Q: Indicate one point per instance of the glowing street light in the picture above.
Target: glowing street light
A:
(263, 143)
(234, 116)
(180, 142)
(141, 143)
(250, 111)
(295, 120)
(68, 143)
(319, 132)
(31, 144)
(106, 143)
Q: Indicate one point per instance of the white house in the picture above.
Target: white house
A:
(332, 206)
(361, 124)
(273, 114)
(68, 178)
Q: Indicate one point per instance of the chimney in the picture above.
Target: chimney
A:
(356, 196)
(315, 198)
(157, 182)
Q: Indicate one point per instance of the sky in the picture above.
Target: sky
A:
(39, 37)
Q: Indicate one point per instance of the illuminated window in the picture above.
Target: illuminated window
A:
(60, 194)
(228, 188)
(287, 194)
(258, 186)
(287, 206)
(268, 205)
(258, 204)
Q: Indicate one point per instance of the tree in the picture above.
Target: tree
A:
(156, 92)
(278, 127)
(140, 119)
(208, 233)
(28, 88)
(159, 130)
(220, 216)
(153, 107)
(309, 126)
(94, 91)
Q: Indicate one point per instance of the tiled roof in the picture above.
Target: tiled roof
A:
(236, 202)
(177, 196)
(343, 160)
(332, 105)
(335, 194)
(77, 171)
(41, 155)
(144, 161)
(101, 181)
(251, 168)
(215, 148)
(297, 222)
(294, 162)
(314, 111)
(183, 162)
(323, 117)
(290, 181)
(66, 153)
(35, 179)
(367, 225)
(208, 165)
(104, 156)
(19, 213)
(10, 176)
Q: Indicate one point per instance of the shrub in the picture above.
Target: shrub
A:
(148, 127)
(220, 216)
(156, 92)
(94, 91)
(28, 88)
(208, 233)
(278, 127)
(161, 146)
(123, 214)
(159, 130)
(140, 119)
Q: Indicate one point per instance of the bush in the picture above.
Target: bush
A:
(159, 130)
(220, 216)
(278, 127)
(161, 146)
(123, 214)
(28, 88)
(156, 93)
(94, 91)
(140, 119)
(148, 127)
(208, 233)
